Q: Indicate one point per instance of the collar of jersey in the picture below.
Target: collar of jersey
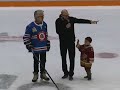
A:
(38, 24)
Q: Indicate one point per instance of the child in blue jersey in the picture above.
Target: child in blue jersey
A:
(36, 41)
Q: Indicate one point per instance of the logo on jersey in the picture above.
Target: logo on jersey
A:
(34, 29)
(41, 36)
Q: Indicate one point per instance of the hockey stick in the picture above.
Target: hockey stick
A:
(46, 72)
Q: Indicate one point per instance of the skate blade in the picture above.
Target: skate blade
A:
(34, 81)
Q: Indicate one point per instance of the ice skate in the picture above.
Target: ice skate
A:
(35, 77)
(44, 77)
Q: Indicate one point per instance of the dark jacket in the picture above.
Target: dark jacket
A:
(68, 34)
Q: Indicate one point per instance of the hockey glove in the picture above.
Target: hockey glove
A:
(29, 47)
(48, 45)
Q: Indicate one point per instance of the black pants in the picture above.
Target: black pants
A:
(42, 57)
(70, 46)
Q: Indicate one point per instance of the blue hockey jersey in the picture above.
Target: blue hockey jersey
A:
(36, 35)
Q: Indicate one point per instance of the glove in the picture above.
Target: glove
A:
(29, 47)
(48, 45)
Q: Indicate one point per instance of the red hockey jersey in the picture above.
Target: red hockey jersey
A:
(87, 52)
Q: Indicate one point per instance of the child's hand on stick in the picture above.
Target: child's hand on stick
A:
(78, 45)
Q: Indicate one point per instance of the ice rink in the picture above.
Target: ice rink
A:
(16, 64)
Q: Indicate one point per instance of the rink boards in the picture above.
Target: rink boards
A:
(16, 64)
(60, 3)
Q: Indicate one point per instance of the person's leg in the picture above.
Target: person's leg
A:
(36, 67)
(42, 62)
(36, 62)
(63, 51)
(88, 71)
(71, 50)
(42, 66)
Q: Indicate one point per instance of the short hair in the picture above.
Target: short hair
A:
(88, 39)
(64, 11)
(41, 11)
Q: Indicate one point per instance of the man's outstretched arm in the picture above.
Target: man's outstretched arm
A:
(76, 20)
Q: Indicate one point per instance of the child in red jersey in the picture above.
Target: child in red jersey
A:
(87, 56)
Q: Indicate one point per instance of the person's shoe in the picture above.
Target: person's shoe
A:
(86, 77)
(70, 78)
(44, 77)
(65, 76)
(35, 77)
(89, 77)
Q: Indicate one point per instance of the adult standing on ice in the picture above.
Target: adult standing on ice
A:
(36, 40)
(65, 30)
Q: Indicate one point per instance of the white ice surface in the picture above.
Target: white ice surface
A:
(15, 60)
